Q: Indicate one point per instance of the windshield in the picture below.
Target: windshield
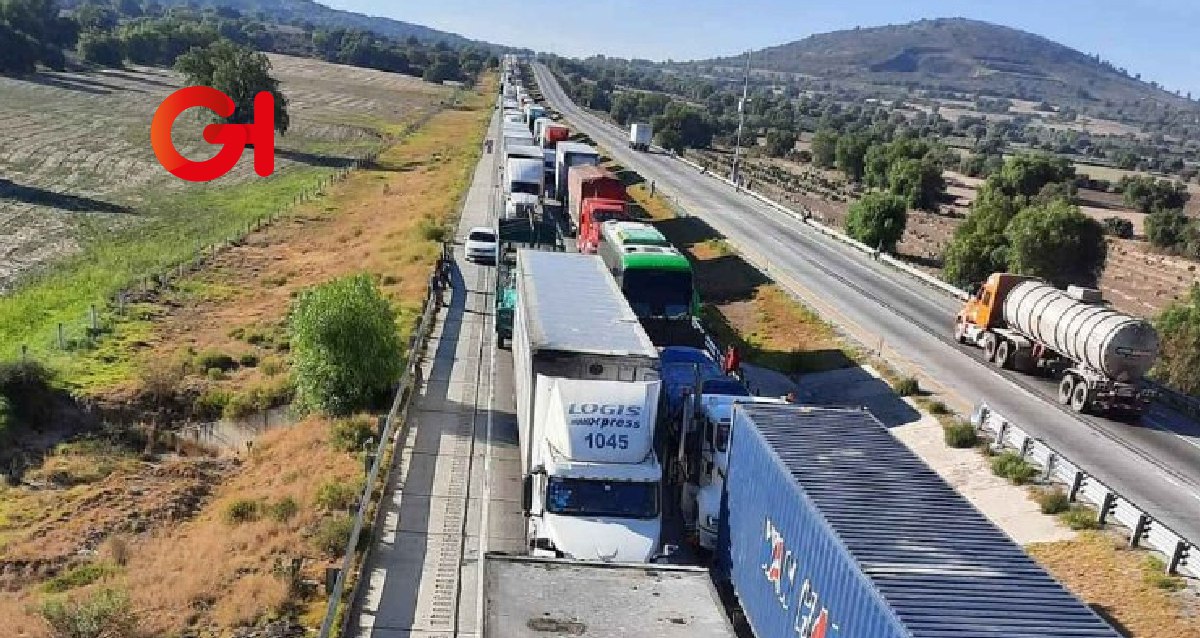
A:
(608, 214)
(480, 235)
(658, 293)
(615, 499)
(529, 188)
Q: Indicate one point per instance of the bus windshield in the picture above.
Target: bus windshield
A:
(658, 293)
(614, 499)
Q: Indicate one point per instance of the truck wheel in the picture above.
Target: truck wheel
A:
(1004, 354)
(989, 347)
(1066, 388)
(1081, 398)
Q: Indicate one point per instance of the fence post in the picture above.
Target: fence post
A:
(1106, 507)
(62, 345)
(1051, 461)
(1179, 557)
(1076, 485)
(998, 443)
(1140, 530)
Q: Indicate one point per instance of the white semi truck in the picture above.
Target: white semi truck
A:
(523, 175)
(568, 154)
(587, 389)
(640, 135)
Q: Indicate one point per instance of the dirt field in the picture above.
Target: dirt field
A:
(76, 162)
(160, 527)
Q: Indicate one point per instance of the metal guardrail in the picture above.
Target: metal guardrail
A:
(1144, 530)
(396, 418)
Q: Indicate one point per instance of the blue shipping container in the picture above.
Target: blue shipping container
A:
(839, 531)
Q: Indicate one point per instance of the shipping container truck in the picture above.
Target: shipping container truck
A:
(595, 196)
(655, 277)
(533, 112)
(553, 133)
(586, 384)
(528, 151)
(640, 135)
(1100, 355)
(568, 155)
(523, 175)
(831, 527)
(527, 597)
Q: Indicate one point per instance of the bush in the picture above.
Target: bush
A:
(248, 360)
(1052, 500)
(1079, 517)
(960, 435)
(242, 511)
(272, 366)
(937, 408)
(907, 387)
(1155, 574)
(283, 510)
(348, 435)
(1179, 329)
(1058, 243)
(432, 230)
(103, 614)
(215, 374)
(346, 349)
(333, 535)
(210, 359)
(1012, 467)
(242, 405)
(336, 495)
(78, 576)
(1118, 227)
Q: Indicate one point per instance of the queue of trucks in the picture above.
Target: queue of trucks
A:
(817, 521)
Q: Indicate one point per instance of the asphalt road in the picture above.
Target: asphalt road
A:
(1156, 464)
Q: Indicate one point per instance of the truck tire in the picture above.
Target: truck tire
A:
(1081, 398)
(1066, 388)
(1004, 354)
(989, 347)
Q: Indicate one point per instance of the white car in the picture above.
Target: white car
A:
(481, 245)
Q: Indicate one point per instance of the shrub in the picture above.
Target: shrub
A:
(348, 435)
(1052, 500)
(336, 495)
(960, 435)
(283, 510)
(271, 366)
(248, 360)
(1155, 574)
(878, 220)
(210, 359)
(432, 230)
(346, 346)
(103, 614)
(907, 387)
(937, 408)
(1079, 517)
(1118, 227)
(210, 404)
(1012, 467)
(243, 510)
(333, 535)
(215, 374)
(242, 405)
(78, 576)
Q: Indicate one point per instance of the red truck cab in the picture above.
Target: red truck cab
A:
(594, 212)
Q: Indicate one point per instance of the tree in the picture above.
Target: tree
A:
(444, 67)
(1058, 243)
(624, 107)
(1026, 175)
(682, 126)
(1168, 228)
(780, 143)
(878, 220)
(918, 182)
(345, 345)
(851, 151)
(1148, 194)
(239, 72)
(1179, 350)
(100, 47)
(824, 148)
(1118, 227)
(96, 17)
(979, 246)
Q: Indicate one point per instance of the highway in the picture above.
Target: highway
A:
(1156, 463)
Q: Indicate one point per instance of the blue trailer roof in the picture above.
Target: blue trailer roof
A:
(883, 545)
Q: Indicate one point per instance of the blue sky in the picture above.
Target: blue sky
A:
(1157, 38)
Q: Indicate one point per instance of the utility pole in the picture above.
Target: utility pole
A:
(737, 149)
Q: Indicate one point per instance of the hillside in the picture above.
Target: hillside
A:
(301, 11)
(957, 54)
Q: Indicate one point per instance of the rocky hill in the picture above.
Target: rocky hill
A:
(957, 54)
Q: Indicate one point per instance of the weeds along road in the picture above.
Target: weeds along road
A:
(1156, 464)
(454, 490)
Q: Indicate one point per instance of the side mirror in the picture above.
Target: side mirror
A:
(527, 494)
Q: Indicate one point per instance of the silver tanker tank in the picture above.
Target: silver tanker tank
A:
(1121, 347)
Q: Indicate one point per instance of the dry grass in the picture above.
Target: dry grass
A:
(1111, 578)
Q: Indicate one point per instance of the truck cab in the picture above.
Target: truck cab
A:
(594, 212)
(984, 310)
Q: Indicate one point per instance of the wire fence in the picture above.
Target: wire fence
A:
(1082, 486)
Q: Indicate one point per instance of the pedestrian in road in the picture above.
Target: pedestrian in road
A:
(733, 362)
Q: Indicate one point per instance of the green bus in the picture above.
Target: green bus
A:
(655, 277)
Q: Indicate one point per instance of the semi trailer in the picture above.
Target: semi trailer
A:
(830, 527)
(526, 597)
(586, 383)
(595, 196)
(567, 156)
(523, 175)
(640, 135)
(1099, 354)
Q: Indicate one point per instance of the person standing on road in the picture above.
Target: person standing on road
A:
(733, 362)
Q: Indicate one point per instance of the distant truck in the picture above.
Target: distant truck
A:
(831, 527)
(569, 155)
(1101, 355)
(552, 134)
(533, 112)
(587, 385)
(595, 196)
(523, 175)
(539, 598)
(640, 135)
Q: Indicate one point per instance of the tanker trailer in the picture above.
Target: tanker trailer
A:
(1100, 355)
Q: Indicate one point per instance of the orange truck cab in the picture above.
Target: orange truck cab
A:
(985, 309)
